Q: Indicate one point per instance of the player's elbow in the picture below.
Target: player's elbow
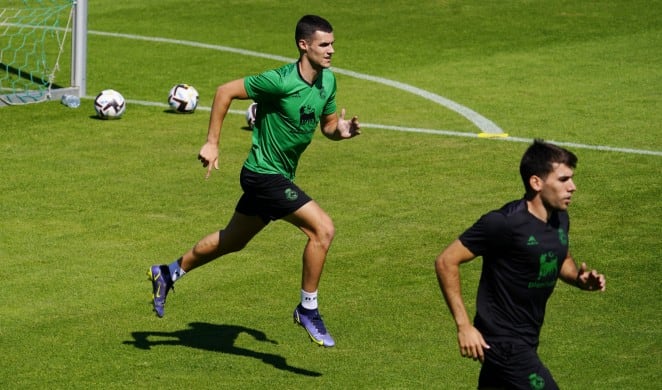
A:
(450, 259)
(441, 264)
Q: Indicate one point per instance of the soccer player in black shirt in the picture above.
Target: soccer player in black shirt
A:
(524, 246)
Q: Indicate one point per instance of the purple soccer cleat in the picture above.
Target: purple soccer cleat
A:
(313, 324)
(161, 284)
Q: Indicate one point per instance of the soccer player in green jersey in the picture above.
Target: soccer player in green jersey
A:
(524, 246)
(292, 101)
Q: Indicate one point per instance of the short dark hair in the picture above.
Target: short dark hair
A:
(307, 26)
(539, 158)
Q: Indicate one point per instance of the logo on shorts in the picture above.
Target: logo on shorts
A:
(536, 382)
(291, 194)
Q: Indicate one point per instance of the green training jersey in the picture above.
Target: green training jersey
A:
(288, 112)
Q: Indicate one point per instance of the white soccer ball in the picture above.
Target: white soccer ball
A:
(250, 115)
(109, 104)
(183, 98)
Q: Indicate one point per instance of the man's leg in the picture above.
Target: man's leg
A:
(317, 225)
(239, 231)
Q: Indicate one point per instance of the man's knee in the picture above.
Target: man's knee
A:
(325, 233)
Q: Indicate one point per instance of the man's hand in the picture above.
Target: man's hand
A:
(592, 281)
(348, 128)
(471, 343)
(208, 156)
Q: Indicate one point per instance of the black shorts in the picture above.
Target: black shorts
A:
(514, 366)
(269, 196)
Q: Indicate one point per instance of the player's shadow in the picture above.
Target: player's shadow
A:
(175, 112)
(215, 338)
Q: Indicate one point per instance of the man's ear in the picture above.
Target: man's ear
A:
(302, 44)
(536, 183)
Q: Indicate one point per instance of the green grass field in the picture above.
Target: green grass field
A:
(88, 205)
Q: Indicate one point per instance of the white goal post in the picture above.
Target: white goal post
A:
(38, 38)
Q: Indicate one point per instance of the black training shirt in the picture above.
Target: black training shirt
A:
(522, 256)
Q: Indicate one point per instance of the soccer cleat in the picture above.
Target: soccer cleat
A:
(161, 284)
(313, 324)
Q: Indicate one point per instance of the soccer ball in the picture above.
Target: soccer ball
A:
(183, 98)
(109, 104)
(250, 115)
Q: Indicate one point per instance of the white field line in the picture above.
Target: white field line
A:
(444, 132)
(515, 139)
(485, 125)
(488, 127)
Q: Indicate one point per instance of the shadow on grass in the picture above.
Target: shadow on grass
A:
(215, 338)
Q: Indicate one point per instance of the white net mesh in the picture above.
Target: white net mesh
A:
(32, 41)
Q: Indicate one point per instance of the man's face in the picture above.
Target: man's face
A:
(558, 187)
(319, 49)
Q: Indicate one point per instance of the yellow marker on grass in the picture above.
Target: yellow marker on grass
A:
(492, 135)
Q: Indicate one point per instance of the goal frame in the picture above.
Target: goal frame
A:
(78, 68)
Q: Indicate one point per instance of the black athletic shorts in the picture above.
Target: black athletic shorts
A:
(514, 366)
(269, 196)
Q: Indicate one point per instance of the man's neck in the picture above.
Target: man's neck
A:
(308, 72)
(538, 209)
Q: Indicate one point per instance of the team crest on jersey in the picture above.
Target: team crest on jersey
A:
(563, 237)
(307, 116)
(549, 267)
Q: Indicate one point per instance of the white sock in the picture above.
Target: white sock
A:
(309, 300)
(176, 272)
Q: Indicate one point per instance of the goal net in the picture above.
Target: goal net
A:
(42, 49)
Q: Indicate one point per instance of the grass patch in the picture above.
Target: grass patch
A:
(88, 205)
